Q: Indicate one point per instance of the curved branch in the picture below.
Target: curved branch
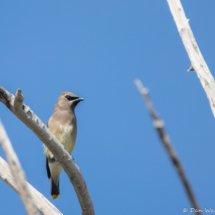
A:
(42, 204)
(26, 115)
(159, 126)
(197, 61)
(18, 173)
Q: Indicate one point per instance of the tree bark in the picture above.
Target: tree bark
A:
(17, 172)
(159, 126)
(42, 204)
(197, 61)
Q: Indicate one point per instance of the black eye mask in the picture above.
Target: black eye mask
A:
(70, 98)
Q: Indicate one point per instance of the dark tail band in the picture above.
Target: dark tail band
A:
(55, 191)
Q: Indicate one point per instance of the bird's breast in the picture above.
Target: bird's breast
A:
(66, 135)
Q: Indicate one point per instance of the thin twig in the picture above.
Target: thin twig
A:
(17, 172)
(159, 126)
(42, 204)
(25, 114)
(197, 61)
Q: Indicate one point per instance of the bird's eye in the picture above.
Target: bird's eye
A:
(70, 98)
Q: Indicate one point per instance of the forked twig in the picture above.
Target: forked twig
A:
(26, 115)
(43, 205)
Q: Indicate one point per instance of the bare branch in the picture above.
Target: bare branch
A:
(18, 173)
(26, 115)
(197, 61)
(43, 205)
(159, 126)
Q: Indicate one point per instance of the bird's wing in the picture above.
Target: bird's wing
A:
(47, 124)
(47, 162)
(47, 168)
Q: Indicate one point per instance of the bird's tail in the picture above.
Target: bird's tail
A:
(55, 191)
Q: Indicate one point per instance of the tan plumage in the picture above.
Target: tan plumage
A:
(63, 126)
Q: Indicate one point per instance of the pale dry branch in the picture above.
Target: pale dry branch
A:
(17, 172)
(197, 61)
(26, 115)
(159, 126)
(42, 204)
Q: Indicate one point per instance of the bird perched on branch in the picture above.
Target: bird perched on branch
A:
(63, 126)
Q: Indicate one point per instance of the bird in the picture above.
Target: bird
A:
(63, 125)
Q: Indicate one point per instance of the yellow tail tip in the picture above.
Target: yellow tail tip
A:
(55, 196)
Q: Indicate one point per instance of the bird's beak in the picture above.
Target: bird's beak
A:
(76, 101)
(79, 99)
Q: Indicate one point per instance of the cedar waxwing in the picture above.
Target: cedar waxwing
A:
(63, 126)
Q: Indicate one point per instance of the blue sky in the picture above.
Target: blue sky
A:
(96, 49)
